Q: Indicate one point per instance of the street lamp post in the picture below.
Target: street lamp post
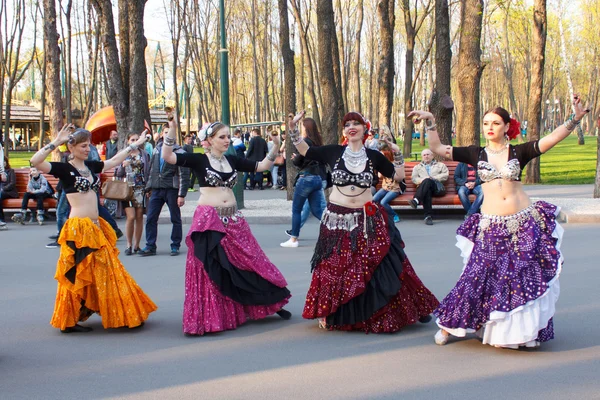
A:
(238, 189)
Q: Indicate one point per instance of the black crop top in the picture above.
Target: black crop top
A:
(518, 157)
(332, 155)
(210, 177)
(71, 179)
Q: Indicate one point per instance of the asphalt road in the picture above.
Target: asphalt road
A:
(276, 359)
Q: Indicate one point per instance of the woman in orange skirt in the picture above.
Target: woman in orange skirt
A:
(91, 279)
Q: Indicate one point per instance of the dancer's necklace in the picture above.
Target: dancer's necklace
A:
(85, 171)
(355, 159)
(496, 152)
(220, 160)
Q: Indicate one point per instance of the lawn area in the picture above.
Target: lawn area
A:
(566, 164)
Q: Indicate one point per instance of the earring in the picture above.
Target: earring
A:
(506, 138)
(70, 157)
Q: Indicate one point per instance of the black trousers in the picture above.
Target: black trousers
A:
(39, 197)
(424, 194)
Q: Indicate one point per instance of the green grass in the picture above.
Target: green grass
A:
(566, 164)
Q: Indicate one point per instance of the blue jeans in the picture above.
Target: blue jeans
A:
(63, 209)
(306, 209)
(308, 187)
(384, 198)
(463, 195)
(158, 198)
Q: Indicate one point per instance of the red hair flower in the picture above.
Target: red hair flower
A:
(370, 208)
(514, 129)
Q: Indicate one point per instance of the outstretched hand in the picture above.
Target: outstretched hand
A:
(142, 138)
(294, 120)
(578, 108)
(419, 115)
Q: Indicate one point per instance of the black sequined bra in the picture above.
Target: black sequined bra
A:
(221, 179)
(83, 185)
(340, 176)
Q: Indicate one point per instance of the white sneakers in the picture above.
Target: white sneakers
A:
(441, 338)
(289, 243)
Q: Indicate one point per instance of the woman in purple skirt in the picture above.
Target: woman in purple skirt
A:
(228, 278)
(509, 285)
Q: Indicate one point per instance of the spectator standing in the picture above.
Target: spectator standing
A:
(168, 184)
(468, 182)
(425, 175)
(238, 144)
(8, 188)
(188, 147)
(257, 151)
(37, 189)
(111, 145)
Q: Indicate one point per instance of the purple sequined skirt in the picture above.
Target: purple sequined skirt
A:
(509, 285)
(228, 277)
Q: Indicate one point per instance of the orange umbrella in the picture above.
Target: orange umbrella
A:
(102, 122)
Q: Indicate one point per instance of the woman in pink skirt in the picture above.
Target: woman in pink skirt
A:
(228, 279)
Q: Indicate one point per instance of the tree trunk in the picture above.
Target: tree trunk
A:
(326, 30)
(441, 104)
(469, 69)
(408, 73)
(138, 74)
(358, 57)
(68, 70)
(124, 45)
(534, 113)
(387, 21)
(289, 98)
(52, 54)
(116, 89)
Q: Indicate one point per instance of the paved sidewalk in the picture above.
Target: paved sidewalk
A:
(271, 207)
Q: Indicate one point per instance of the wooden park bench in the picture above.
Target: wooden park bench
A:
(22, 175)
(449, 199)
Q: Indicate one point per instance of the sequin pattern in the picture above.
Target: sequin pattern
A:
(101, 284)
(506, 270)
(349, 266)
(205, 309)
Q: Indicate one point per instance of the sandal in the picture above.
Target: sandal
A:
(128, 251)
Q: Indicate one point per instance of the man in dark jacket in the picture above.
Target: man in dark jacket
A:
(188, 147)
(167, 184)
(468, 182)
(257, 151)
(111, 145)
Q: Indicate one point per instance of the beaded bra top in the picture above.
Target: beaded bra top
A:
(510, 171)
(340, 176)
(221, 179)
(83, 185)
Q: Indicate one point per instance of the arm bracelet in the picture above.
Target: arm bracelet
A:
(50, 146)
(271, 157)
(169, 141)
(130, 148)
(398, 159)
(431, 128)
(571, 124)
(295, 136)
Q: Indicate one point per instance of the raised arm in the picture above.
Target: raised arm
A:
(167, 153)
(564, 130)
(122, 155)
(294, 134)
(433, 137)
(39, 159)
(398, 160)
(268, 161)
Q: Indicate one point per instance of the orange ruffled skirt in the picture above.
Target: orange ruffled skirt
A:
(91, 279)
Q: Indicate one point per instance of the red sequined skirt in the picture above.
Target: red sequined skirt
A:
(362, 279)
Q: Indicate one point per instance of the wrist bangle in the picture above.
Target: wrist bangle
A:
(571, 124)
(431, 127)
(169, 141)
(398, 159)
(271, 157)
(429, 123)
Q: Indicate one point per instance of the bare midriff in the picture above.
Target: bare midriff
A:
(83, 205)
(343, 196)
(504, 197)
(216, 197)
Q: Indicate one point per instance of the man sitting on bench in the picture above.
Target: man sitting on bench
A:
(425, 175)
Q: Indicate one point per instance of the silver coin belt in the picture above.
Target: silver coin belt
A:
(346, 222)
(227, 214)
(510, 222)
